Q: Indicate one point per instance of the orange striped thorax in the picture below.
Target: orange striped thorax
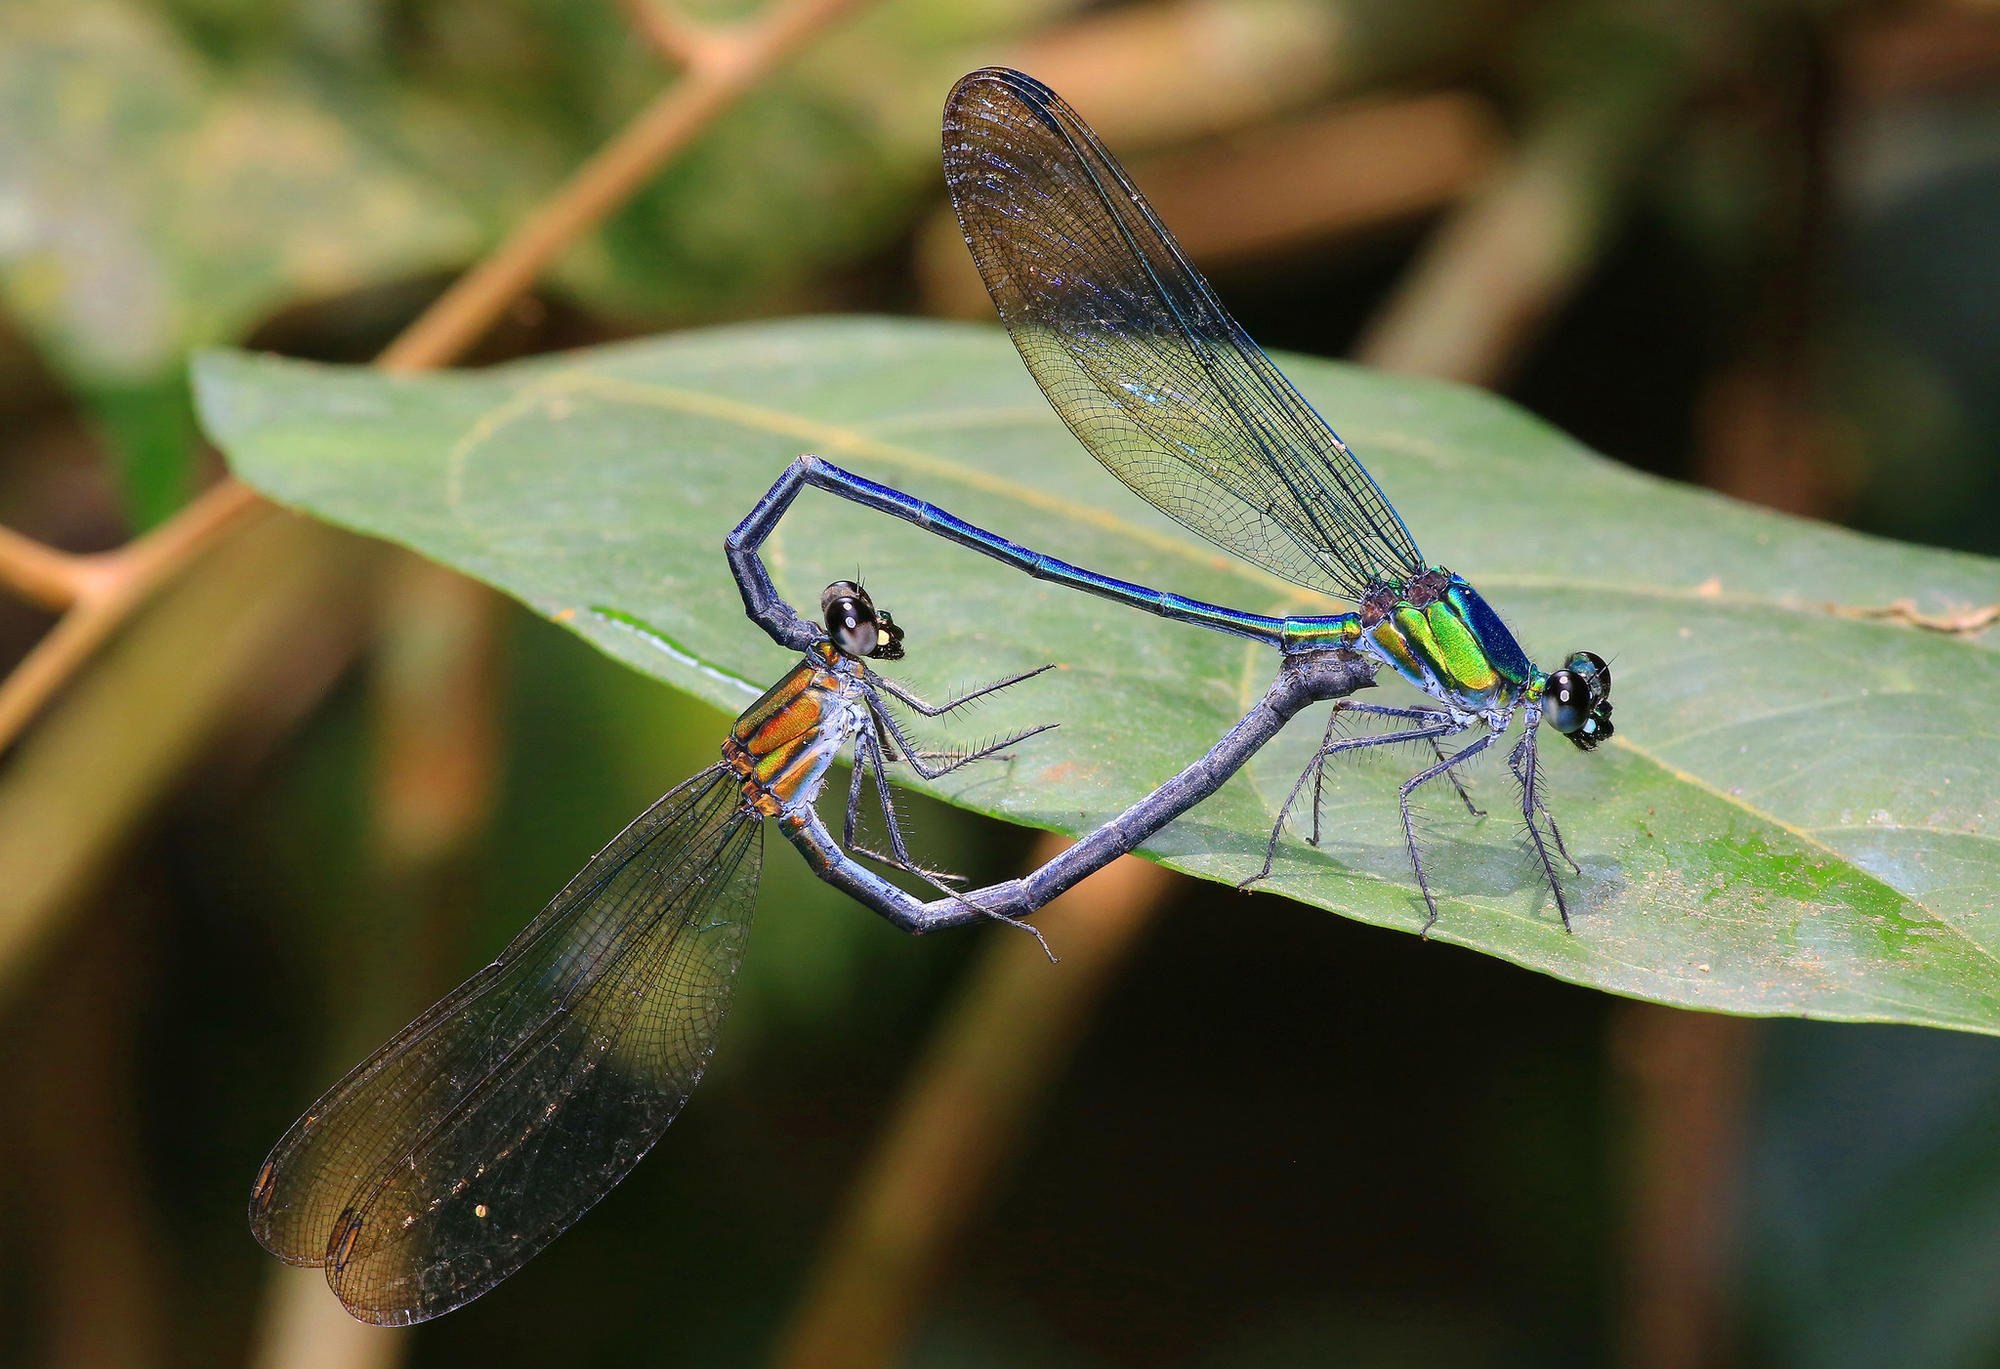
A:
(783, 743)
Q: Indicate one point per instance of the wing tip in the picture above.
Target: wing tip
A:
(1018, 84)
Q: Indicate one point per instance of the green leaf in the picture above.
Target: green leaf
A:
(1800, 813)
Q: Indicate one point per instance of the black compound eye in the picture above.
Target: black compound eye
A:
(851, 628)
(1577, 700)
(1566, 702)
(850, 618)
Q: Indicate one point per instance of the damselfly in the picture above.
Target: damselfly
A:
(1137, 355)
(452, 1155)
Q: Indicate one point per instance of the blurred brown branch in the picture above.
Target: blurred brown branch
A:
(1501, 264)
(1126, 67)
(1685, 1075)
(79, 784)
(43, 575)
(100, 592)
(961, 1118)
(437, 715)
(680, 42)
(719, 71)
(305, 1327)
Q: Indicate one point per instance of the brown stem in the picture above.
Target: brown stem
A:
(1476, 298)
(109, 589)
(960, 1117)
(168, 683)
(437, 705)
(679, 42)
(41, 575)
(305, 1327)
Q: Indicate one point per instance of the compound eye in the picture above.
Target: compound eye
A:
(1593, 668)
(858, 639)
(850, 629)
(850, 618)
(1566, 701)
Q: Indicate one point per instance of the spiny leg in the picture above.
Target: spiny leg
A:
(1457, 783)
(1318, 766)
(871, 746)
(1541, 804)
(918, 758)
(1443, 767)
(858, 772)
(1530, 802)
(1441, 725)
(955, 758)
(869, 758)
(1277, 828)
(1383, 710)
(1549, 816)
(903, 694)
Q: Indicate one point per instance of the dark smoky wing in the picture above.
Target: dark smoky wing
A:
(481, 1131)
(1138, 356)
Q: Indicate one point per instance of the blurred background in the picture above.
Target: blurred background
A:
(249, 825)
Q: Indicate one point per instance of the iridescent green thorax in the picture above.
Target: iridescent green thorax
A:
(1442, 637)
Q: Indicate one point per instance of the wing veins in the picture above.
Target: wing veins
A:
(1057, 227)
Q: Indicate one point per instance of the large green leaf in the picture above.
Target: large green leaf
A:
(1798, 814)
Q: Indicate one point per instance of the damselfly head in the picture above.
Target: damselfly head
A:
(1577, 700)
(856, 627)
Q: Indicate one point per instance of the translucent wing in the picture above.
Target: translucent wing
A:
(481, 1131)
(1139, 357)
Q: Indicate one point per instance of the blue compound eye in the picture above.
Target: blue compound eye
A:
(1566, 702)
